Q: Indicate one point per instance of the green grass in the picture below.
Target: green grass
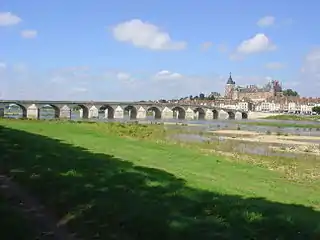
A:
(14, 225)
(294, 117)
(110, 181)
(280, 124)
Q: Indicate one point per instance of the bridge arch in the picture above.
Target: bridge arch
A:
(231, 115)
(215, 114)
(131, 110)
(156, 111)
(108, 111)
(21, 114)
(48, 111)
(82, 109)
(179, 111)
(244, 115)
(200, 113)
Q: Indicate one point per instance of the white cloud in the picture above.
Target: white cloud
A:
(123, 76)
(275, 65)
(266, 21)
(145, 35)
(8, 19)
(3, 65)
(29, 33)
(165, 74)
(120, 85)
(258, 43)
(206, 45)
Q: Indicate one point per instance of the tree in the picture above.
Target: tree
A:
(211, 97)
(316, 109)
(201, 96)
(290, 93)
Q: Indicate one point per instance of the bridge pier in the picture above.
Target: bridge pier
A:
(190, 115)
(65, 112)
(118, 113)
(167, 113)
(1, 112)
(142, 113)
(209, 115)
(93, 112)
(33, 112)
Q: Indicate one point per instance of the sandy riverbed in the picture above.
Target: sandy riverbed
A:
(298, 144)
(252, 136)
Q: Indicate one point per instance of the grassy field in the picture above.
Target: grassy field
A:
(114, 181)
(294, 117)
(281, 124)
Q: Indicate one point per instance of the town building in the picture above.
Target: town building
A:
(252, 92)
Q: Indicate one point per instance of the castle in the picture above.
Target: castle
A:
(252, 92)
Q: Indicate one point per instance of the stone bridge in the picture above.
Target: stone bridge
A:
(117, 110)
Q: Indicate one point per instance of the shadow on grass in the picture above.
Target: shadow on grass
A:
(101, 197)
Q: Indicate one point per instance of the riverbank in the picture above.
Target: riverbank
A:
(277, 123)
(293, 117)
(113, 180)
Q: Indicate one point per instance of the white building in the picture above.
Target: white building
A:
(293, 107)
(244, 106)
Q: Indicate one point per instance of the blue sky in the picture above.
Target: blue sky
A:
(133, 50)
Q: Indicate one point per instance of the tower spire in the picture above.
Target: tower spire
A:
(230, 80)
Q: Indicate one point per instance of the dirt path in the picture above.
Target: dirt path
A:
(44, 222)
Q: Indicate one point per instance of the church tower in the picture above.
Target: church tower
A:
(229, 88)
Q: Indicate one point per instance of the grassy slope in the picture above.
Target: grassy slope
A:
(13, 224)
(176, 192)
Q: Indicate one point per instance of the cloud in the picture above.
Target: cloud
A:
(274, 65)
(266, 21)
(258, 43)
(165, 74)
(145, 35)
(3, 66)
(206, 45)
(123, 76)
(83, 83)
(8, 19)
(29, 33)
